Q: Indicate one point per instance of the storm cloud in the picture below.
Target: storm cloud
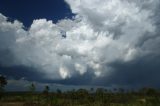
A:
(109, 42)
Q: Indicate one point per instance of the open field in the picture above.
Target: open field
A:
(80, 98)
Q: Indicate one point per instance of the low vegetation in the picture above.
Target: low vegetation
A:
(80, 97)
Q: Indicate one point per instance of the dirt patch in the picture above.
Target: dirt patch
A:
(12, 104)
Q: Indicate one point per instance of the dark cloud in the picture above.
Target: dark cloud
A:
(19, 72)
(142, 72)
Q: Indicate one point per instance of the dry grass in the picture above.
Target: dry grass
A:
(12, 104)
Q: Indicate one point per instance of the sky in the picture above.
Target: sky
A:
(27, 11)
(109, 43)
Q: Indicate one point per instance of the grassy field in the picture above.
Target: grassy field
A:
(80, 97)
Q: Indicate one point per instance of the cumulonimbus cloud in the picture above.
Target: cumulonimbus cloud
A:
(101, 32)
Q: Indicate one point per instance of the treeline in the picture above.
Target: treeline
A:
(81, 97)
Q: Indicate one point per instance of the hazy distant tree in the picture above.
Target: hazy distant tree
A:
(82, 95)
(82, 92)
(121, 90)
(115, 89)
(3, 82)
(148, 91)
(100, 94)
(106, 90)
(46, 94)
(59, 91)
(32, 88)
(100, 91)
(46, 89)
(92, 90)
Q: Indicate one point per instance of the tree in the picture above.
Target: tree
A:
(100, 91)
(59, 91)
(32, 88)
(121, 90)
(46, 90)
(92, 90)
(148, 91)
(3, 82)
(82, 93)
(46, 93)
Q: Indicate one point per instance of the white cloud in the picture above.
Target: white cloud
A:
(64, 72)
(101, 32)
(81, 68)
